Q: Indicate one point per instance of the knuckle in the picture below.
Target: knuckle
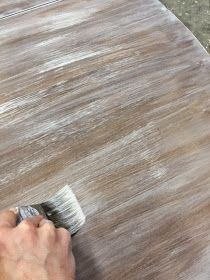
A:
(64, 234)
(26, 225)
(63, 231)
(49, 229)
(48, 226)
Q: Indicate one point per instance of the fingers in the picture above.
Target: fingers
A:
(64, 234)
(8, 218)
(34, 221)
(47, 228)
(45, 222)
(64, 237)
(47, 231)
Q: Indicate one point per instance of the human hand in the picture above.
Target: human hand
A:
(34, 250)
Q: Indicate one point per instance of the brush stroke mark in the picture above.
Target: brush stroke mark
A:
(5, 11)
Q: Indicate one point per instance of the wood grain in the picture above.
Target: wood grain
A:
(113, 98)
(9, 8)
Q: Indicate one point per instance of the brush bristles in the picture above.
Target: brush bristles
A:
(64, 210)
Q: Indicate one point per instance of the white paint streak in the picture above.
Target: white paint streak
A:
(158, 172)
(49, 41)
(15, 104)
(68, 59)
(63, 20)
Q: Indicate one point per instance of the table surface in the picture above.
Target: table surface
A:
(111, 97)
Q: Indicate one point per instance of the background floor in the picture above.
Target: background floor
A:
(196, 16)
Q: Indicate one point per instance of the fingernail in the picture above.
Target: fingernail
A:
(14, 210)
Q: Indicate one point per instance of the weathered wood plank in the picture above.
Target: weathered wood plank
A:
(113, 98)
(10, 7)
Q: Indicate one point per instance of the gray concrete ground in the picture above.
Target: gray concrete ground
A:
(196, 16)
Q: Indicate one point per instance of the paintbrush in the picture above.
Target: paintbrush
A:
(63, 209)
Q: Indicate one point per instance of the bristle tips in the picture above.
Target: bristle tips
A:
(64, 210)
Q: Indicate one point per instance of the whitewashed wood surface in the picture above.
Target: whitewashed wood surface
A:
(10, 8)
(111, 97)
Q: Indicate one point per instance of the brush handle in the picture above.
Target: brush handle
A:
(25, 212)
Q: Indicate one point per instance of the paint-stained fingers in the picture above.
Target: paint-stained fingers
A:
(8, 218)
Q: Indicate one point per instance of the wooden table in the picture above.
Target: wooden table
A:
(113, 98)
